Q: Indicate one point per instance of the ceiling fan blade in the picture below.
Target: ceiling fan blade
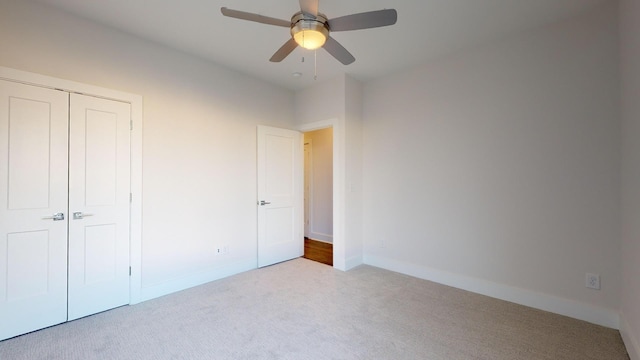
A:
(309, 7)
(284, 51)
(338, 51)
(254, 17)
(364, 20)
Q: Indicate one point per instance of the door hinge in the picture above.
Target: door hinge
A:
(130, 124)
(130, 197)
(129, 270)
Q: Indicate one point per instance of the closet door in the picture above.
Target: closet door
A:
(33, 208)
(99, 187)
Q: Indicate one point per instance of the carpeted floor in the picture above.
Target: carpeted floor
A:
(306, 310)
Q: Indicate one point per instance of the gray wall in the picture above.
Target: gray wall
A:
(199, 172)
(630, 76)
(339, 101)
(497, 169)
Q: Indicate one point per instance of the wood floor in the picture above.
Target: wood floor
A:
(318, 251)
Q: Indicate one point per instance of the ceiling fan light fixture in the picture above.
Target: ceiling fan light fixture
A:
(310, 39)
(309, 33)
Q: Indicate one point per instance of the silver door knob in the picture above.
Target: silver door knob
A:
(79, 215)
(263, 203)
(55, 217)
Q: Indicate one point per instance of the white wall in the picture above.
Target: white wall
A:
(199, 187)
(354, 132)
(497, 169)
(630, 78)
(321, 192)
(335, 101)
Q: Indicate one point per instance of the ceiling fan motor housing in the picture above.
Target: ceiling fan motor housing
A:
(304, 25)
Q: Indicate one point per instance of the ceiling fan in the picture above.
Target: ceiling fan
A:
(310, 29)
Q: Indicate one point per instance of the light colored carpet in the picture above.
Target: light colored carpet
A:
(305, 310)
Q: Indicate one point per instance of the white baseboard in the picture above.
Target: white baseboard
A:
(195, 279)
(318, 240)
(575, 309)
(352, 262)
(321, 237)
(630, 339)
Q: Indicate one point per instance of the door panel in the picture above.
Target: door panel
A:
(100, 251)
(280, 224)
(27, 254)
(99, 191)
(33, 186)
(280, 178)
(101, 157)
(28, 154)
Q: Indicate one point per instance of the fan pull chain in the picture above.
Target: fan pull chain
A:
(315, 65)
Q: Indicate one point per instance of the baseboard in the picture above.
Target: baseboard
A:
(195, 279)
(575, 309)
(318, 240)
(630, 339)
(320, 237)
(352, 262)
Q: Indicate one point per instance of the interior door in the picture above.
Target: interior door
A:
(99, 188)
(280, 195)
(33, 203)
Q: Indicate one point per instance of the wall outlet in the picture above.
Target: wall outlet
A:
(593, 281)
(221, 250)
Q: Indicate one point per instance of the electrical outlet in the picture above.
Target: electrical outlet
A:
(221, 249)
(593, 281)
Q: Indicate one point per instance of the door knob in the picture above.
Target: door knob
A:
(79, 215)
(263, 203)
(55, 217)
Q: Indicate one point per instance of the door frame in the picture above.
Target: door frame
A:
(307, 148)
(136, 102)
(339, 199)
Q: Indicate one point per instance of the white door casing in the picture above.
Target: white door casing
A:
(99, 162)
(33, 187)
(308, 173)
(319, 180)
(136, 103)
(280, 195)
(339, 185)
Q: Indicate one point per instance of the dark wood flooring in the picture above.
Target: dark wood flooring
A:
(318, 251)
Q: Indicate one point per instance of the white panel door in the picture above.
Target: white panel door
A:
(280, 195)
(33, 187)
(99, 187)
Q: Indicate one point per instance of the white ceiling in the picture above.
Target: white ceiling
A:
(426, 29)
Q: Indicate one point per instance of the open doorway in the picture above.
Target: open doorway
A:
(318, 195)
